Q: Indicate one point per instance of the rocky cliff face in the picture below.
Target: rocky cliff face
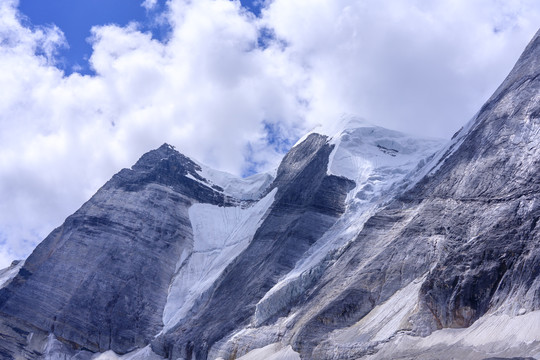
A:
(467, 231)
(494, 250)
(307, 203)
(100, 280)
(367, 243)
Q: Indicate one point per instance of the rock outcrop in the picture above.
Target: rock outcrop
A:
(100, 280)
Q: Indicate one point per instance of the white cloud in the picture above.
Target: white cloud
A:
(419, 66)
(149, 4)
(216, 95)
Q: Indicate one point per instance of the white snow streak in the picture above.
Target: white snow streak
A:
(250, 188)
(385, 320)
(7, 274)
(220, 234)
(274, 351)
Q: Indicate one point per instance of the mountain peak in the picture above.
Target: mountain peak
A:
(334, 129)
(167, 148)
(165, 151)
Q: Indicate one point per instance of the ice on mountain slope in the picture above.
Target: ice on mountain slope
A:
(493, 335)
(377, 159)
(219, 235)
(271, 352)
(7, 274)
(250, 188)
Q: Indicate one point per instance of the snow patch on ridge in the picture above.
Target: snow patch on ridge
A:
(53, 349)
(250, 188)
(145, 353)
(496, 335)
(501, 330)
(274, 351)
(7, 274)
(377, 160)
(331, 128)
(220, 234)
(383, 321)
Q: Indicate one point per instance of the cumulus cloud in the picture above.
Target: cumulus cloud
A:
(420, 66)
(233, 90)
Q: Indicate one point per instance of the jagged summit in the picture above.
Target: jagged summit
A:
(170, 167)
(153, 157)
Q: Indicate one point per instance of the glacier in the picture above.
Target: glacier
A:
(219, 235)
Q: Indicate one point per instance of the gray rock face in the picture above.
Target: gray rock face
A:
(307, 203)
(467, 230)
(494, 252)
(470, 226)
(100, 280)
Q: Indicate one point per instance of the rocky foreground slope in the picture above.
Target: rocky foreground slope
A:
(365, 243)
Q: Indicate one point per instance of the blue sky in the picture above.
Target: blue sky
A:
(76, 17)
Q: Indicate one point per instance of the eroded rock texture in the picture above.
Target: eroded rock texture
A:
(307, 203)
(100, 280)
(469, 226)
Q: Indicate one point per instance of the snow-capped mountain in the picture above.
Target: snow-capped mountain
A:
(365, 243)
